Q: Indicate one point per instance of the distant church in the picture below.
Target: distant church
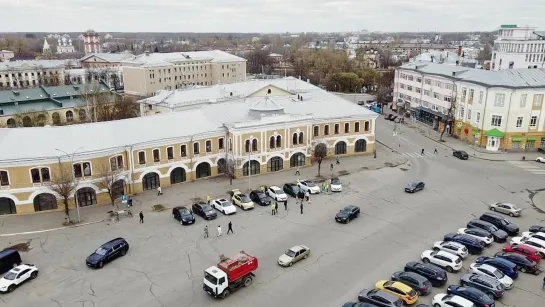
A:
(64, 45)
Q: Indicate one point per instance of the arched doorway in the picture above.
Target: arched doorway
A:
(361, 146)
(27, 122)
(298, 159)
(253, 166)
(45, 201)
(118, 188)
(203, 170)
(275, 164)
(86, 197)
(150, 181)
(222, 166)
(340, 148)
(7, 206)
(177, 175)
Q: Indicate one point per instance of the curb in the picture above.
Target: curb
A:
(473, 156)
(48, 230)
(393, 150)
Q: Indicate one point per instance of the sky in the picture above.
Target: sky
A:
(267, 15)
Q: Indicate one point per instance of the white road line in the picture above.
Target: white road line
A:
(539, 172)
(429, 154)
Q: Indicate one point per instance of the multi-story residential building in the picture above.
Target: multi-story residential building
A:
(147, 73)
(274, 127)
(409, 48)
(5, 55)
(22, 74)
(492, 109)
(518, 47)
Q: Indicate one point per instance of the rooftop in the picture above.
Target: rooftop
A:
(32, 64)
(163, 59)
(109, 57)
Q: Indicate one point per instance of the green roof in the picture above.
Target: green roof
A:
(494, 132)
(516, 139)
(531, 139)
(508, 26)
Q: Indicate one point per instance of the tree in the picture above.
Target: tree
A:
(259, 61)
(446, 121)
(485, 54)
(108, 177)
(320, 152)
(64, 184)
(156, 49)
(228, 168)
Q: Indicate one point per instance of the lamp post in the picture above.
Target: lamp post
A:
(73, 175)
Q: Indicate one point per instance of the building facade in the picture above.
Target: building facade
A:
(64, 45)
(91, 42)
(518, 47)
(6, 55)
(274, 128)
(24, 74)
(148, 73)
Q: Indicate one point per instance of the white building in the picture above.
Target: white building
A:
(6, 55)
(64, 45)
(518, 47)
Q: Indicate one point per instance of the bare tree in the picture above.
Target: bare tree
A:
(446, 122)
(64, 184)
(320, 152)
(108, 177)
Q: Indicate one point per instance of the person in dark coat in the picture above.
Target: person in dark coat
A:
(286, 204)
(301, 207)
(141, 217)
(230, 228)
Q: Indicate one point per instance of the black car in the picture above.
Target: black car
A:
(499, 235)
(379, 298)
(107, 252)
(524, 264)
(505, 266)
(393, 118)
(536, 228)
(436, 275)
(260, 198)
(473, 245)
(500, 222)
(347, 214)
(491, 286)
(460, 154)
(414, 186)
(204, 210)
(9, 258)
(354, 304)
(184, 215)
(291, 189)
(476, 296)
(418, 282)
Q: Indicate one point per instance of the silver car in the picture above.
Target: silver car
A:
(293, 255)
(506, 208)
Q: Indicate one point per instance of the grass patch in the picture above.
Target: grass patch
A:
(21, 247)
(158, 208)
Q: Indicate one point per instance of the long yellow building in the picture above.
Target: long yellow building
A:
(252, 127)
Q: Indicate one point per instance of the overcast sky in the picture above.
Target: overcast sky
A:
(266, 15)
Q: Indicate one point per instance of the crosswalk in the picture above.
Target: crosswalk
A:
(528, 166)
(418, 154)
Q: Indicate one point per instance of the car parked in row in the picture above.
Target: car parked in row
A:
(524, 264)
(505, 208)
(449, 300)
(224, 206)
(260, 198)
(9, 258)
(204, 210)
(507, 267)
(536, 228)
(473, 245)
(347, 214)
(17, 276)
(537, 244)
(476, 296)
(414, 186)
(451, 247)
(491, 286)
(500, 222)
(308, 186)
(107, 252)
(436, 275)
(490, 271)
(184, 215)
(407, 294)
(379, 298)
(535, 235)
(418, 282)
(448, 261)
(276, 193)
(479, 234)
(498, 234)
(358, 304)
(460, 154)
(292, 189)
(242, 200)
(525, 250)
(540, 159)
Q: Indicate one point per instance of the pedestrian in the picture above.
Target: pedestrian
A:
(208, 199)
(141, 217)
(286, 205)
(327, 187)
(230, 228)
(301, 195)
(331, 167)
(338, 160)
(307, 196)
(435, 150)
(219, 230)
(323, 186)
(206, 231)
(422, 152)
(301, 207)
(297, 171)
(159, 191)
(375, 153)
(543, 283)
(262, 188)
(272, 208)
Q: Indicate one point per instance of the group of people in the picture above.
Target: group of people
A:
(229, 229)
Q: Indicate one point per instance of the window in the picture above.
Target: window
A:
(464, 90)
(196, 148)
(496, 120)
(347, 128)
(247, 145)
(418, 90)
(183, 151)
(447, 98)
(478, 117)
(272, 142)
(471, 93)
(142, 157)
(411, 78)
(4, 178)
(337, 128)
(316, 130)
(295, 139)
(357, 127)
(533, 122)
(438, 83)
(402, 86)
(220, 143)
(278, 141)
(418, 79)
(326, 130)
(519, 121)
(461, 112)
(427, 81)
(254, 145)
(301, 138)
(448, 86)
(435, 95)
(468, 114)
(366, 126)
(523, 100)
(156, 155)
(409, 88)
(208, 146)
(481, 97)
(538, 99)
(427, 93)
(82, 115)
(170, 153)
(39, 175)
(82, 169)
(116, 163)
(69, 116)
(499, 100)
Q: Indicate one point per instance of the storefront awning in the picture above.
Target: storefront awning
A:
(516, 139)
(494, 132)
(531, 139)
(422, 109)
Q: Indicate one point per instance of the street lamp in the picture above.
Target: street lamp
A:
(73, 175)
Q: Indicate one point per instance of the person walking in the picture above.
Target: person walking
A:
(230, 228)
(141, 217)
(219, 230)
(338, 159)
(208, 199)
(331, 167)
(272, 208)
(301, 207)
(159, 191)
(435, 150)
(206, 231)
(375, 153)
(422, 152)
(307, 196)
(286, 205)
(297, 171)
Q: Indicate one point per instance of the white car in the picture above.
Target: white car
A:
(535, 235)
(479, 234)
(17, 276)
(446, 260)
(505, 208)
(449, 300)
(224, 206)
(537, 244)
(451, 247)
(307, 185)
(490, 271)
(336, 185)
(540, 159)
(276, 193)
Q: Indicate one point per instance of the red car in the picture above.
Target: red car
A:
(525, 250)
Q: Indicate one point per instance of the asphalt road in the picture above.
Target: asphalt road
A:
(165, 264)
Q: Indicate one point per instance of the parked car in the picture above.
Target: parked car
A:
(388, 116)
(379, 298)
(436, 275)
(17, 276)
(347, 214)
(243, 201)
(276, 193)
(260, 198)
(490, 271)
(535, 235)
(335, 185)
(107, 252)
(507, 267)
(473, 245)
(537, 244)
(308, 185)
(414, 186)
(353, 304)
(460, 154)
(498, 234)
(294, 255)
(416, 281)
(451, 247)
(537, 228)
(448, 300)
(442, 259)
(224, 206)
(505, 208)
(291, 189)
(9, 258)
(479, 234)
(401, 290)
(500, 222)
(204, 210)
(476, 296)
(492, 287)
(184, 215)
(524, 264)
(524, 250)
(540, 159)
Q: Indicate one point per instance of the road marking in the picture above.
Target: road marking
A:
(418, 155)
(47, 230)
(541, 171)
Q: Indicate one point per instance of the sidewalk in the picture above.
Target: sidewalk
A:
(183, 194)
(538, 200)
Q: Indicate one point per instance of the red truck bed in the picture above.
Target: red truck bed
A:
(238, 266)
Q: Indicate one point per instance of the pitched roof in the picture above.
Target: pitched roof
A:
(109, 57)
(32, 64)
(162, 59)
